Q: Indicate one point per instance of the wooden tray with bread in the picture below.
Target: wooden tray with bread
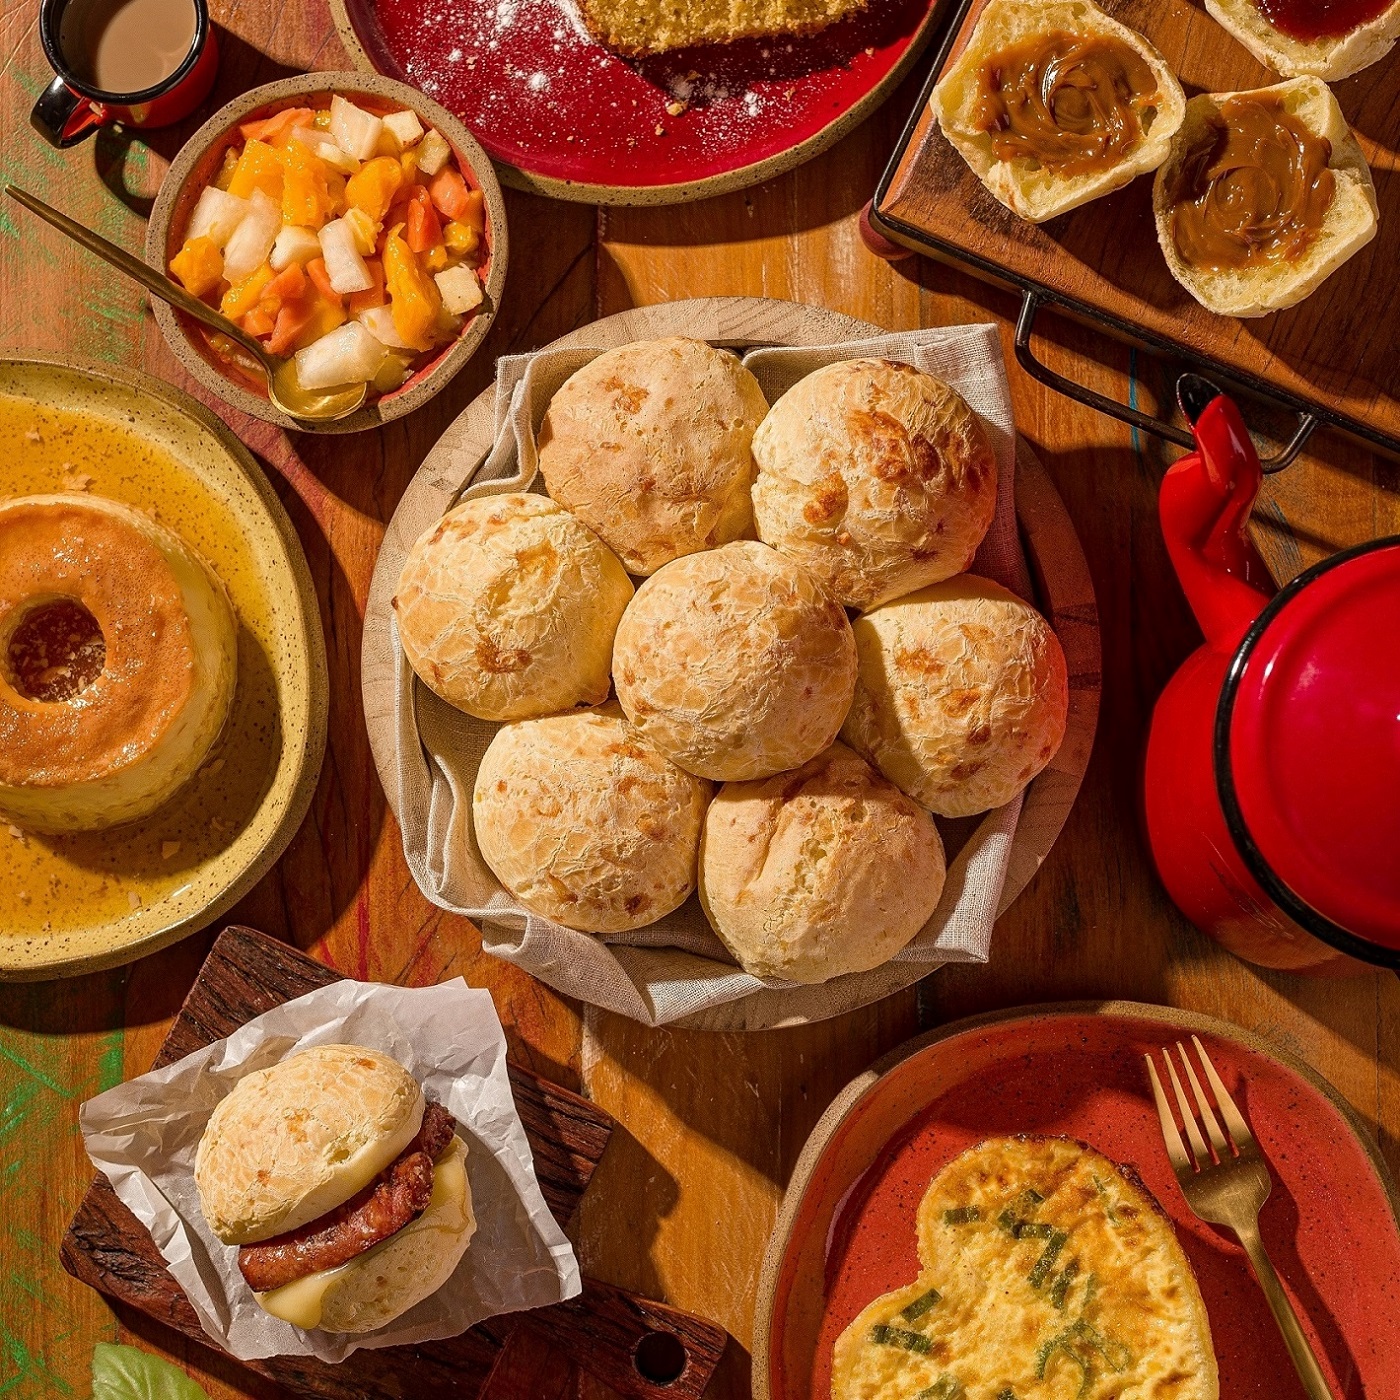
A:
(1304, 313)
(638, 1348)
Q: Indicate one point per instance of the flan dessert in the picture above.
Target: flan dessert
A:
(118, 661)
(657, 26)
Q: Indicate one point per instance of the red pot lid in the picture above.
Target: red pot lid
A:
(1308, 747)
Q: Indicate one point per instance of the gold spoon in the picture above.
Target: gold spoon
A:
(309, 405)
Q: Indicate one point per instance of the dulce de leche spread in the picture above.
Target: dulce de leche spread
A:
(1253, 187)
(1072, 102)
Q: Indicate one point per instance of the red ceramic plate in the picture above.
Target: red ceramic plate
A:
(845, 1234)
(566, 116)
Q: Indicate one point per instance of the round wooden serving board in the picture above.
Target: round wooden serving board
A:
(1065, 594)
(115, 895)
(845, 1233)
(564, 116)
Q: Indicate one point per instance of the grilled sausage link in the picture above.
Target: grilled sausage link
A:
(398, 1195)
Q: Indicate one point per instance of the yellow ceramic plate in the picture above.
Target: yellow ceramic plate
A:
(71, 904)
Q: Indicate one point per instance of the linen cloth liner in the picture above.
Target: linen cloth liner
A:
(678, 966)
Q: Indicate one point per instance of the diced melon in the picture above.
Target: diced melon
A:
(344, 265)
(353, 129)
(216, 215)
(404, 125)
(348, 355)
(294, 245)
(461, 291)
(433, 152)
(324, 149)
(252, 240)
(379, 322)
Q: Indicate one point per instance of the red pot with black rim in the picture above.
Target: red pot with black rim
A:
(1272, 782)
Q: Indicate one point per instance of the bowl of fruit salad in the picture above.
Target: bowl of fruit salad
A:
(346, 221)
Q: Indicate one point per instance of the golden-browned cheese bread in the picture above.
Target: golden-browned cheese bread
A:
(1329, 56)
(507, 608)
(297, 1139)
(651, 445)
(380, 1285)
(1047, 1273)
(735, 663)
(876, 477)
(586, 822)
(1273, 237)
(1054, 103)
(140, 716)
(812, 874)
(962, 695)
(655, 26)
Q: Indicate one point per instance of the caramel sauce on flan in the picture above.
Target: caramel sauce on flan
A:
(53, 885)
(1072, 102)
(1253, 188)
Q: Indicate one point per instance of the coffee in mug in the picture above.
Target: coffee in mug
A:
(126, 46)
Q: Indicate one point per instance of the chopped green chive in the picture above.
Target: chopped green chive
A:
(962, 1215)
(1014, 1216)
(920, 1305)
(1108, 1209)
(1061, 1343)
(898, 1337)
(1046, 1262)
(1032, 1230)
(1110, 1348)
(944, 1388)
(1059, 1290)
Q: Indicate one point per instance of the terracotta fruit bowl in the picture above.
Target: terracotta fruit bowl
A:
(199, 162)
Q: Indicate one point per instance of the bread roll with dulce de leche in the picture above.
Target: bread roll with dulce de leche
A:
(1054, 103)
(1264, 196)
(1307, 38)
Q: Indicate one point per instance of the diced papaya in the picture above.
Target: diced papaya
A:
(371, 296)
(230, 163)
(321, 280)
(424, 230)
(289, 285)
(373, 187)
(245, 295)
(276, 128)
(306, 194)
(258, 169)
(414, 298)
(461, 239)
(450, 194)
(435, 259)
(299, 323)
(258, 321)
(199, 265)
(474, 212)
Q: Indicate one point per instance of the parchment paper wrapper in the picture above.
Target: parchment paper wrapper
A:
(677, 966)
(142, 1136)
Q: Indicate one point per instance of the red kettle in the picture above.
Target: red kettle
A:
(1272, 781)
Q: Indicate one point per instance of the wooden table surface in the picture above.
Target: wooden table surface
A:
(710, 1125)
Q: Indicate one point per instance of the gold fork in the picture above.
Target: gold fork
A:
(1229, 1189)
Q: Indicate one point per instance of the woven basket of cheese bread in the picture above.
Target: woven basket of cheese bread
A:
(721, 682)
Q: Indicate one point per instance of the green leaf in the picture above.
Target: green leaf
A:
(127, 1373)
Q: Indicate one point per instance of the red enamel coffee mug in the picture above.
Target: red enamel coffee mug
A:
(1272, 781)
(73, 106)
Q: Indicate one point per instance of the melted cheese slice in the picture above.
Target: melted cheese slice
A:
(1046, 1275)
(302, 1301)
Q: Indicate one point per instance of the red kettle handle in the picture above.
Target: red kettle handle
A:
(1204, 505)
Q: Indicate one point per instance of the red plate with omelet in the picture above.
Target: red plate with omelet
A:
(847, 1232)
(568, 117)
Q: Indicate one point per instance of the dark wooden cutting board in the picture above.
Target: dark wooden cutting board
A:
(1332, 354)
(633, 1345)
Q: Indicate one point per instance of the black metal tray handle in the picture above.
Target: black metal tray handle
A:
(1031, 302)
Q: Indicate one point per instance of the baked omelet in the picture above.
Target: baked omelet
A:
(1048, 1273)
